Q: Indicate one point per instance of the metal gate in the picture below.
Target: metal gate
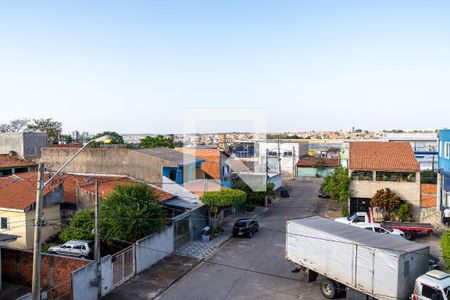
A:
(123, 264)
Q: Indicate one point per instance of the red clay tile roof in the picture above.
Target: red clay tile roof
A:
(212, 156)
(106, 185)
(8, 161)
(382, 156)
(312, 161)
(19, 191)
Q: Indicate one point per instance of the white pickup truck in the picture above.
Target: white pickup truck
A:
(410, 229)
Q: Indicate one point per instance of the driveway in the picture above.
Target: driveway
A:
(256, 268)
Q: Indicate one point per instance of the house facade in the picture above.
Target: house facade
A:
(279, 153)
(17, 208)
(26, 145)
(444, 168)
(11, 164)
(379, 165)
(312, 166)
(148, 165)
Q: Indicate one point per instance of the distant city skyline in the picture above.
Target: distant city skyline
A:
(137, 66)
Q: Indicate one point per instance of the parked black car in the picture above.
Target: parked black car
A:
(245, 227)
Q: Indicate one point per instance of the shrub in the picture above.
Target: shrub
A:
(405, 211)
(445, 245)
(386, 200)
(344, 208)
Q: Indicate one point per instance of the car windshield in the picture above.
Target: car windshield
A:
(387, 228)
(351, 217)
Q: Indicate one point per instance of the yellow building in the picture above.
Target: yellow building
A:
(17, 208)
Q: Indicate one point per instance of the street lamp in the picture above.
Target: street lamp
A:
(36, 283)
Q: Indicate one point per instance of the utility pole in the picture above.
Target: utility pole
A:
(36, 281)
(279, 157)
(97, 255)
(267, 176)
(293, 162)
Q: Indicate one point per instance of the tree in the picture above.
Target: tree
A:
(51, 127)
(115, 138)
(67, 138)
(386, 200)
(337, 185)
(131, 212)
(218, 200)
(80, 227)
(15, 125)
(157, 141)
(254, 197)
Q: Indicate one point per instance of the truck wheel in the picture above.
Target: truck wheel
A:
(328, 288)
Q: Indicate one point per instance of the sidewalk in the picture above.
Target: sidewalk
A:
(155, 280)
(201, 250)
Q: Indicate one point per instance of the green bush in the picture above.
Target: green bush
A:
(445, 245)
(405, 211)
(344, 208)
(250, 207)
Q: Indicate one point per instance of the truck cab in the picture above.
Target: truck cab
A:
(433, 285)
(358, 217)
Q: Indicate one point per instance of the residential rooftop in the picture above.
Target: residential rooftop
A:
(382, 156)
(11, 161)
(170, 155)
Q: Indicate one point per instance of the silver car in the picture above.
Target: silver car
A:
(81, 249)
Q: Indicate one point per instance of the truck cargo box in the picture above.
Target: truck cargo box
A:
(380, 265)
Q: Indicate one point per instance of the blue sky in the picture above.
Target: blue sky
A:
(135, 66)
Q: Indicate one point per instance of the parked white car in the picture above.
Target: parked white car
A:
(379, 228)
(358, 217)
(81, 249)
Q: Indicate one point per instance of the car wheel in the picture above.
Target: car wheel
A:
(328, 288)
(83, 257)
(250, 234)
(409, 235)
(235, 235)
(257, 228)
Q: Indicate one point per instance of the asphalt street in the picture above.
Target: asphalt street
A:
(256, 268)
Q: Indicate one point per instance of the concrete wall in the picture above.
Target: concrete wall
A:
(26, 144)
(32, 144)
(17, 266)
(82, 283)
(408, 191)
(84, 277)
(107, 161)
(153, 248)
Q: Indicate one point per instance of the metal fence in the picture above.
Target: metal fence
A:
(123, 265)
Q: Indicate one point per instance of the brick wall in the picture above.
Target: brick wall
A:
(428, 193)
(17, 267)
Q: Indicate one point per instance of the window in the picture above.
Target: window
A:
(359, 219)
(396, 176)
(380, 230)
(4, 223)
(362, 175)
(287, 153)
(272, 153)
(431, 293)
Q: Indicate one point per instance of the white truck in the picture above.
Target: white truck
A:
(362, 264)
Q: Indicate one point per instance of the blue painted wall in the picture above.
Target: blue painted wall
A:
(444, 163)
